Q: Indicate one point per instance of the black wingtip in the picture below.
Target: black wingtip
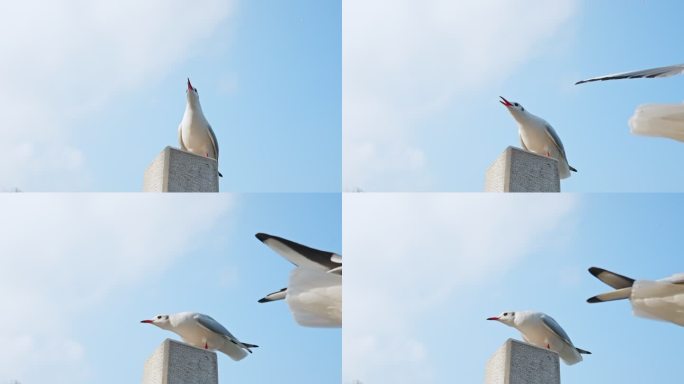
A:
(572, 169)
(596, 271)
(593, 300)
(220, 175)
(263, 300)
(582, 351)
(263, 236)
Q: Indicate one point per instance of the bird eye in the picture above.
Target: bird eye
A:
(516, 104)
(159, 317)
(505, 313)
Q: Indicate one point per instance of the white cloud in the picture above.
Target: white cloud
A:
(66, 58)
(404, 60)
(408, 254)
(65, 253)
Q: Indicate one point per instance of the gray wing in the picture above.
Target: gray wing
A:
(556, 139)
(209, 323)
(522, 144)
(554, 327)
(612, 279)
(214, 142)
(299, 254)
(670, 70)
(180, 138)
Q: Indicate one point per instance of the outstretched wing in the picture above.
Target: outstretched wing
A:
(670, 70)
(298, 254)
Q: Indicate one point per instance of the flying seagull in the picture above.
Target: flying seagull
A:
(543, 331)
(661, 300)
(664, 120)
(538, 136)
(194, 132)
(314, 291)
(202, 331)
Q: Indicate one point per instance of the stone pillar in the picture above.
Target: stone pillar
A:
(516, 362)
(174, 170)
(176, 363)
(517, 170)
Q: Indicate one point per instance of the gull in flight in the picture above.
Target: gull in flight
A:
(661, 299)
(314, 291)
(664, 120)
(538, 136)
(194, 132)
(202, 331)
(543, 331)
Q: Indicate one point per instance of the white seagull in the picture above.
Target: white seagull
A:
(664, 120)
(194, 131)
(661, 300)
(543, 331)
(202, 331)
(538, 136)
(314, 291)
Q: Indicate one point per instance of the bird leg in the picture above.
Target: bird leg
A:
(205, 345)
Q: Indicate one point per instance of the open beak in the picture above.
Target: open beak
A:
(189, 85)
(503, 101)
(493, 318)
(147, 321)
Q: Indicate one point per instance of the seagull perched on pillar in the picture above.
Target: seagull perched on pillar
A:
(543, 331)
(202, 331)
(538, 136)
(194, 132)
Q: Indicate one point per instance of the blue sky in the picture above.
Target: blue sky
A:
(420, 90)
(81, 270)
(473, 256)
(90, 111)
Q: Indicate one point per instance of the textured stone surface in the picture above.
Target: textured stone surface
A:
(174, 170)
(516, 170)
(176, 363)
(516, 362)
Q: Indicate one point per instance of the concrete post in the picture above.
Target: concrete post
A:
(176, 363)
(517, 170)
(174, 170)
(516, 362)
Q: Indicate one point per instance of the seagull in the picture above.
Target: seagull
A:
(202, 331)
(194, 131)
(538, 136)
(543, 331)
(314, 291)
(664, 120)
(661, 300)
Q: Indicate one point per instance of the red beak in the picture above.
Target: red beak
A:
(147, 321)
(505, 102)
(493, 318)
(189, 85)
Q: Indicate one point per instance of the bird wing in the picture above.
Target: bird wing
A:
(556, 139)
(675, 279)
(214, 142)
(554, 327)
(212, 325)
(670, 70)
(522, 144)
(618, 294)
(612, 279)
(274, 296)
(298, 254)
(180, 138)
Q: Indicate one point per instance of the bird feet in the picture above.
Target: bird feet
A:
(205, 345)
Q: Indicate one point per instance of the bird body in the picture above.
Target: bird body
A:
(195, 134)
(538, 136)
(543, 331)
(314, 291)
(202, 331)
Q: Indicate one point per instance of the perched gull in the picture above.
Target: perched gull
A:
(202, 331)
(661, 300)
(538, 136)
(314, 291)
(543, 331)
(194, 132)
(664, 120)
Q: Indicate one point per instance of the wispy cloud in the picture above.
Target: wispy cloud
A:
(404, 60)
(65, 59)
(408, 254)
(63, 254)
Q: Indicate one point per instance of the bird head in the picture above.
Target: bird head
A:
(507, 318)
(514, 108)
(191, 93)
(161, 321)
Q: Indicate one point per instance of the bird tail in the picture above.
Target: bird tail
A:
(582, 351)
(572, 168)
